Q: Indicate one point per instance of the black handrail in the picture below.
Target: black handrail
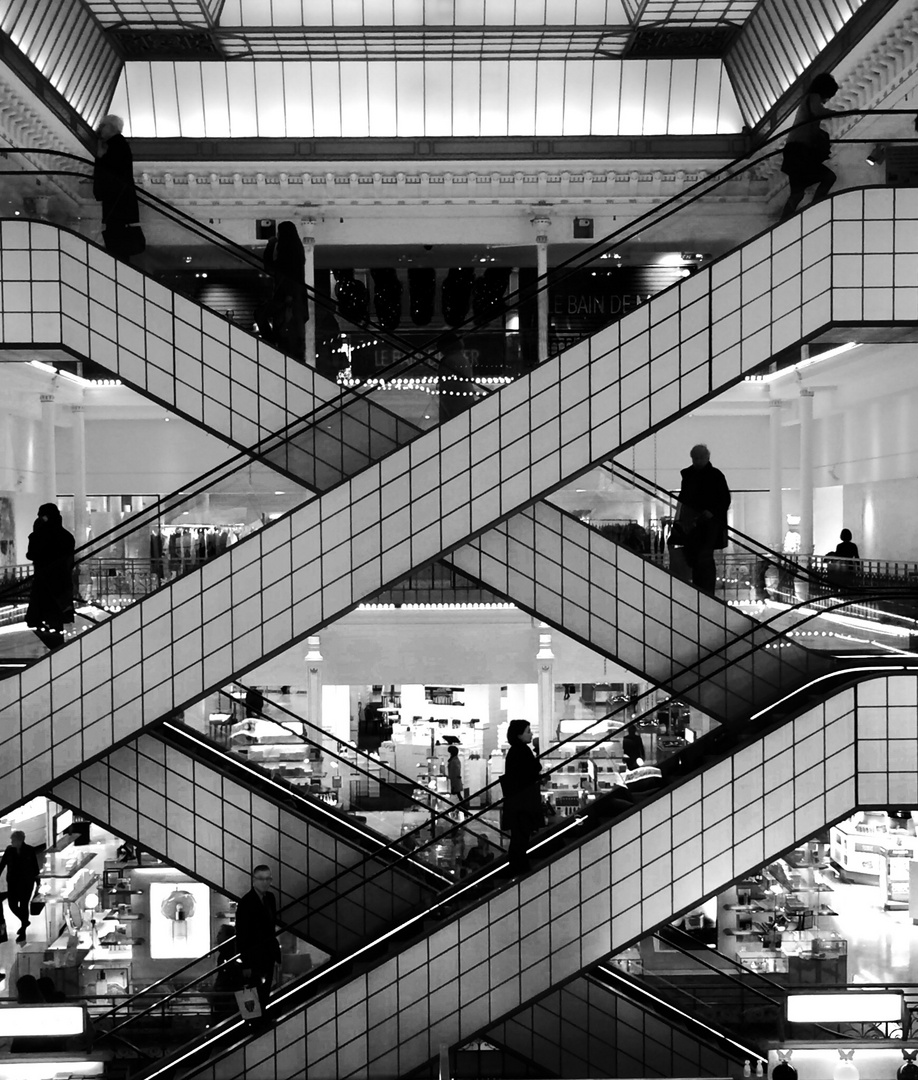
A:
(446, 898)
(283, 435)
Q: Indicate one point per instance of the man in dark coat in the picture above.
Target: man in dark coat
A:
(113, 186)
(51, 552)
(256, 934)
(703, 503)
(23, 871)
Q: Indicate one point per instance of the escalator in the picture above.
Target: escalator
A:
(601, 888)
(214, 816)
(312, 565)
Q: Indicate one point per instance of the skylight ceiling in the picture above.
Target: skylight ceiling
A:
(386, 99)
(409, 29)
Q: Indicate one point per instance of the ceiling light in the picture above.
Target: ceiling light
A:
(877, 155)
(818, 359)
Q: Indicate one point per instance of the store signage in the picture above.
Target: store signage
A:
(19, 1021)
(587, 300)
(852, 1006)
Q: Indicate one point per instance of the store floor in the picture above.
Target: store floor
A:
(882, 945)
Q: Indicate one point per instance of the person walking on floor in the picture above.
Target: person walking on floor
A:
(454, 774)
(256, 934)
(704, 500)
(520, 785)
(113, 186)
(808, 146)
(23, 876)
(51, 550)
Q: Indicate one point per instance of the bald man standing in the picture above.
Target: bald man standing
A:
(704, 500)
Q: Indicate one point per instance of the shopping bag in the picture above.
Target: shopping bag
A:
(248, 1003)
(36, 907)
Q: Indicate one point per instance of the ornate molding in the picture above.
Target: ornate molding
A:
(266, 188)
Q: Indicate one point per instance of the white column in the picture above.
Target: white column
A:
(806, 472)
(78, 465)
(545, 689)
(541, 226)
(775, 516)
(309, 247)
(313, 684)
(47, 484)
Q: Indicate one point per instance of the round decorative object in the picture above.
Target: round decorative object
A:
(908, 1070)
(784, 1070)
(846, 1069)
(178, 905)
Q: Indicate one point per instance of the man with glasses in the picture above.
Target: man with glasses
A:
(256, 934)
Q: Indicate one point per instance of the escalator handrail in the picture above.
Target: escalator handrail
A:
(286, 432)
(445, 898)
(659, 213)
(300, 988)
(185, 736)
(749, 543)
(441, 798)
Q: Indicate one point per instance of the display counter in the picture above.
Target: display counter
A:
(863, 851)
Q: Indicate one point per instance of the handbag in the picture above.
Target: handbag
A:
(248, 1004)
(36, 907)
(4, 937)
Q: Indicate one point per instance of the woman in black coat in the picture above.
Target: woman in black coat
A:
(51, 550)
(522, 812)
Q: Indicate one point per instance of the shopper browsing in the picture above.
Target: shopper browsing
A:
(23, 875)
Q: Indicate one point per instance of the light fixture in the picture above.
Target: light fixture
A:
(800, 365)
(852, 1006)
(877, 155)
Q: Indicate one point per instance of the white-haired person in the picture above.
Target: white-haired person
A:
(113, 186)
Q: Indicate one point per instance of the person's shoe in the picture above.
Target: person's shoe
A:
(21, 936)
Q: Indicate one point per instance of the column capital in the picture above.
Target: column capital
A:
(47, 399)
(77, 408)
(775, 403)
(805, 392)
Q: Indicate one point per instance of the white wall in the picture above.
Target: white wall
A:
(411, 645)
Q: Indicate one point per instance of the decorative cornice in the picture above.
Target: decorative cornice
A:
(266, 188)
(885, 69)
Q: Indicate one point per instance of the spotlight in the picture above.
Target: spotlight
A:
(877, 155)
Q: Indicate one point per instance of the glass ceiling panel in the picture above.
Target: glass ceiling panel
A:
(65, 44)
(774, 48)
(560, 43)
(162, 14)
(443, 13)
(411, 98)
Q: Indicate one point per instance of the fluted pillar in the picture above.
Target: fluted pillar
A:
(541, 224)
(78, 467)
(775, 515)
(309, 247)
(806, 472)
(47, 479)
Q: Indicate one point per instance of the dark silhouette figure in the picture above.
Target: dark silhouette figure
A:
(632, 749)
(520, 784)
(23, 870)
(285, 261)
(50, 550)
(50, 992)
(113, 186)
(28, 991)
(704, 500)
(256, 934)
(847, 549)
(808, 146)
